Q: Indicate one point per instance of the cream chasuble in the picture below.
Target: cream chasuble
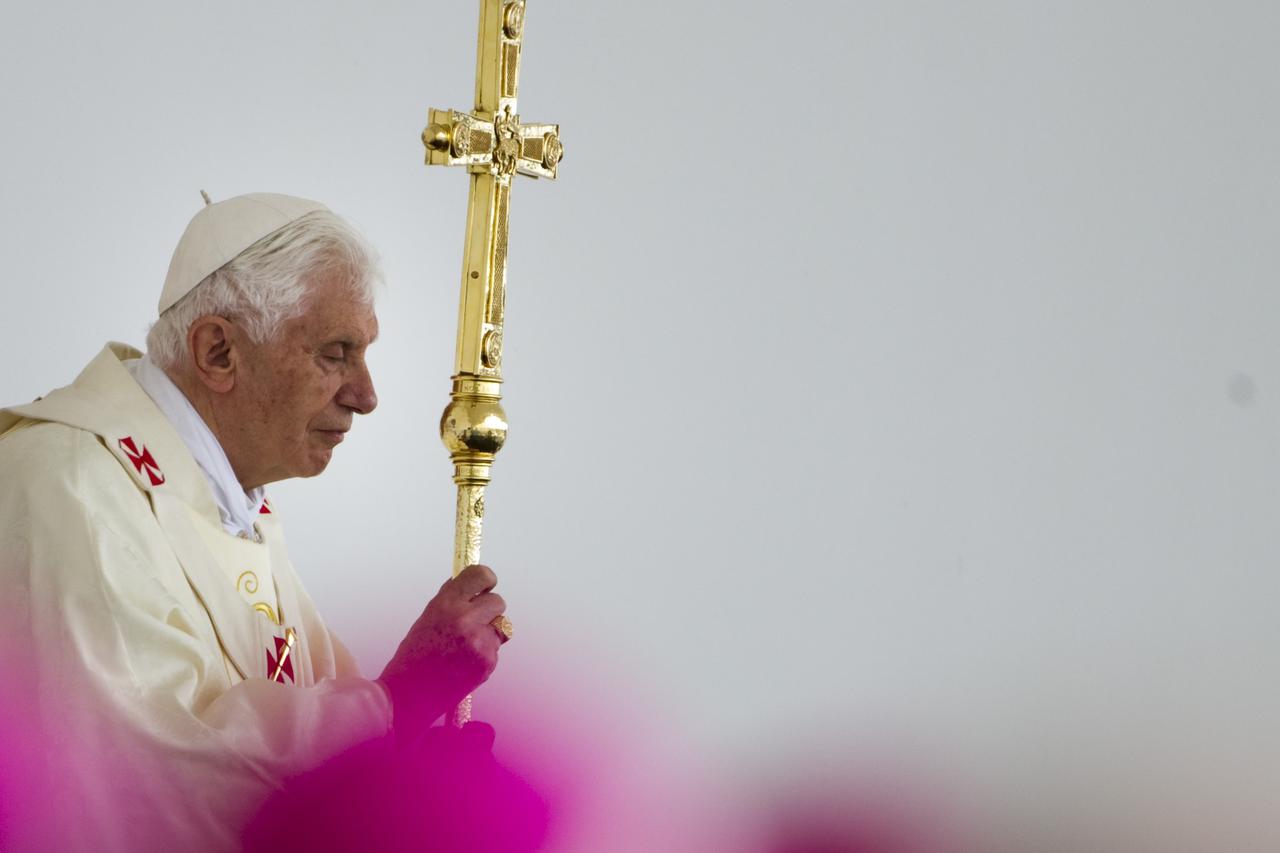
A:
(184, 672)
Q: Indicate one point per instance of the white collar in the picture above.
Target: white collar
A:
(238, 509)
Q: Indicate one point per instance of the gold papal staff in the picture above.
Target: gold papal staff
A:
(492, 143)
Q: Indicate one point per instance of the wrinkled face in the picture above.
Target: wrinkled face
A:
(302, 390)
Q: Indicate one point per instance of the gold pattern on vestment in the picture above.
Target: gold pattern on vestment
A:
(494, 146)
(248, 583)
(263, 607)
(289, 639)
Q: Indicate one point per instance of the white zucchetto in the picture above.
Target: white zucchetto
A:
(223, 230)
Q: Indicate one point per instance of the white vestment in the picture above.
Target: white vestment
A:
(151, 635)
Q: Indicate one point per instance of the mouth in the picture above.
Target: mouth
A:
(333, 436)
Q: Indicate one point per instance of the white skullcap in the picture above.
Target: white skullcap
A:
(221, 231)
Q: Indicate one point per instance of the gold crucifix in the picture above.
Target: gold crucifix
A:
(492, 143)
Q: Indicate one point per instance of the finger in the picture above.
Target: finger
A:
(475, 580)
(441, 596)
(486, 640)
(488, 606)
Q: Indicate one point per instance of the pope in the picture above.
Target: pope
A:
(177, 667)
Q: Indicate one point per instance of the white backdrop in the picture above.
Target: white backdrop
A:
(894, 376)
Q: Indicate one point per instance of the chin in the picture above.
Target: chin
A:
(314, 465)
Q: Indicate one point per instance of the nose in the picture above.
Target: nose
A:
(357, 392)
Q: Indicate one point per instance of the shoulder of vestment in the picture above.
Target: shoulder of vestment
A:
(106, 402)
(74, 520)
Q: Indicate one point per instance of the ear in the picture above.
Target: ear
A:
(211, 341)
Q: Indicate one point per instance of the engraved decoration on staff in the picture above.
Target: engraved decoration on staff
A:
(492, 351)
(460, 138)
(552, 151)
(513, 19)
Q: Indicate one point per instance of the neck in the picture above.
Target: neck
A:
(207, 407)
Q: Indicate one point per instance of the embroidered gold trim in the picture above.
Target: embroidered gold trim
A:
(263, 607)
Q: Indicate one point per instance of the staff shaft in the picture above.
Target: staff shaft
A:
(494, 146)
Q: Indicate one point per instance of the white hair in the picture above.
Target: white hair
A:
(267, 283)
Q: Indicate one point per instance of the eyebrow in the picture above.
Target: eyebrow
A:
(351, 343)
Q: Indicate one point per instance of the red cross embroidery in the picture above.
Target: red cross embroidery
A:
(279, 664)
(142, 460)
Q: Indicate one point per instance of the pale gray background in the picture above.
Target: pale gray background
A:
(897, 373)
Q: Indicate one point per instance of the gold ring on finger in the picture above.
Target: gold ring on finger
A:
(503, 626)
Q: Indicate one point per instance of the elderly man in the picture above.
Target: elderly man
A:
(175, 660)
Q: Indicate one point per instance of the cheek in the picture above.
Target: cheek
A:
(292, 403)
(314, 401)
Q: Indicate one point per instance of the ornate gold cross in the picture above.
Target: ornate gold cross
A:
(492, 143)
